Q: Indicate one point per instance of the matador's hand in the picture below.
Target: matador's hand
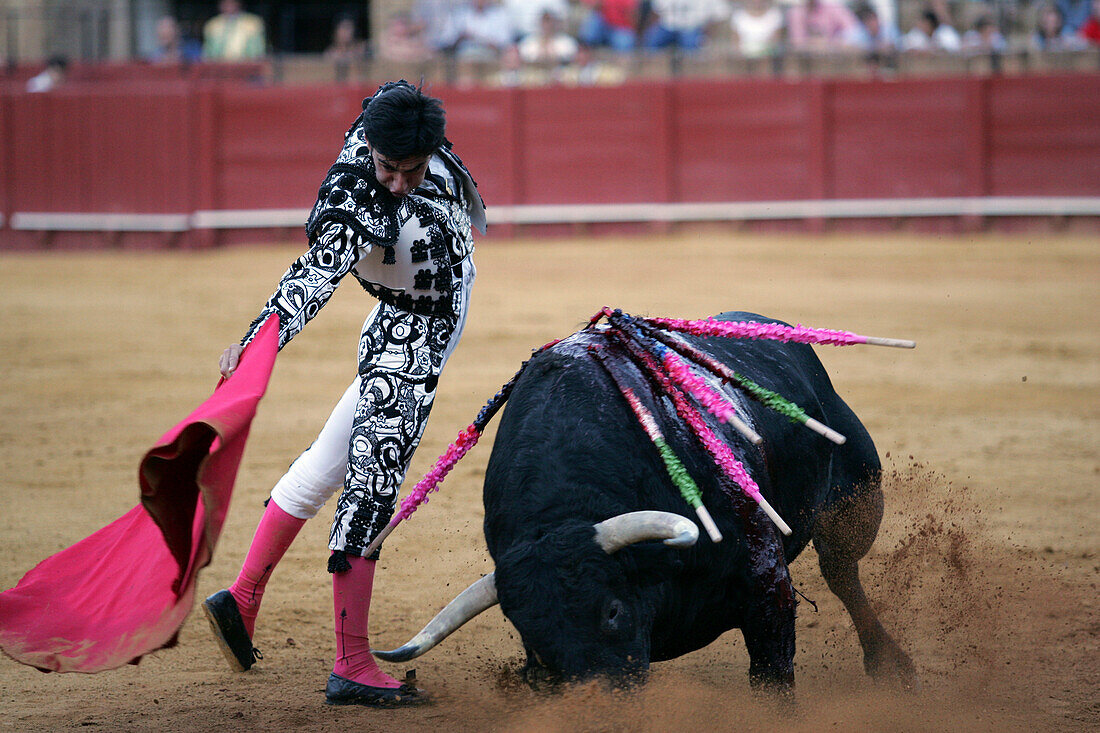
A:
(230, 357)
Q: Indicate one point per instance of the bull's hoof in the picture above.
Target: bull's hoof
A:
(228, 627)
(892, 666)
(342, 691)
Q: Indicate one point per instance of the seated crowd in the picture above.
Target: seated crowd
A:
(564, 36)
(530, 42)
(487, 28)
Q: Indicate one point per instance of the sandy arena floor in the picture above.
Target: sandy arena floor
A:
(986, 568)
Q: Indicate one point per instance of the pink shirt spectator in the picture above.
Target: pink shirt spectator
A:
(819, 25)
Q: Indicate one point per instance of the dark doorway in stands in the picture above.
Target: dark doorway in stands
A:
(292, 27)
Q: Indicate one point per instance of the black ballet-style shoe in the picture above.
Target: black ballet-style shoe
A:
(342, 691)
(228, 626)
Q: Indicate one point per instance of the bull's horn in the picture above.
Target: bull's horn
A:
(479, 596)
(617, 532)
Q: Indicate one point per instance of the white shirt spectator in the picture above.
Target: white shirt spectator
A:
(984, 37)
(944, 38)
(870, 34)
(435, 19)
(51, 77)
(886, 10)
(930, 33)
(757, 32)
(686, 15)
(525, 14)
(947, 38)
(482, 27)
(561, 48)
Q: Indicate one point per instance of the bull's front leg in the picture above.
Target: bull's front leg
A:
(769, 611)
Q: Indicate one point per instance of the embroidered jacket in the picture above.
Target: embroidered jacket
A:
(407, 252)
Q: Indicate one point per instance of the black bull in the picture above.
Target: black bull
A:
(570, 454)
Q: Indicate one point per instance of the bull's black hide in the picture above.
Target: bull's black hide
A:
(569, 453)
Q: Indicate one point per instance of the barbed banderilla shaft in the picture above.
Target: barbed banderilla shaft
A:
(719, 451)
(676, 470)
(761, 394)
(641, 338)
(775, 332)
(466, 440)
(720, 406)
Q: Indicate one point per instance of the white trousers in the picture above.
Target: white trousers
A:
(323, 468)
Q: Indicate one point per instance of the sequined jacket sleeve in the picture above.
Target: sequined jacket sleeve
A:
(310, 281)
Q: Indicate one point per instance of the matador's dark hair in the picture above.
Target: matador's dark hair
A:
(401, 121)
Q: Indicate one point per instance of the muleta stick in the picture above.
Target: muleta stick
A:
(775, 332)
(676, 471)
(466, 440)
(719, 451)
(761, 394)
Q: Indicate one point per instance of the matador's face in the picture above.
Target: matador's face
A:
(399, 176)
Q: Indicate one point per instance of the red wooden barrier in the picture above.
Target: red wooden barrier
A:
(594, 145)
(1045, 136)
(896, 141)
(742, 141)
(274, 145)
(176, 148)
(142, 73)
(105, 150)
(7, 179)
(484, 126)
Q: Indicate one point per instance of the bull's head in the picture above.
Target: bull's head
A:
(579, 608)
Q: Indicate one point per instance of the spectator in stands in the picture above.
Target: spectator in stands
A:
(434, 21)
(932, 33)
(683, 24)
(172, 46)
(1074, 14)
(876, 41)
(612, 23)
(514, 73)
(984, 38)
(527, 15)
(1090, 31)
(887, 13)
(347, 49)
(871, 36)
(819, 26)
(757, 28)
(403, 40)
(51, 77)
(549, 44)
(1051, 34)
(588, 69)
(233, 35)
(482, 30)
(346, 42)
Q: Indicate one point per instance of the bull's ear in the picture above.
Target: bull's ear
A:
(648, 563)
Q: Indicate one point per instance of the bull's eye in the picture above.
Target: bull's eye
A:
(615, 617)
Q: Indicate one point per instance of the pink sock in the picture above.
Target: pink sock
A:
(276, 531)
(351, 591)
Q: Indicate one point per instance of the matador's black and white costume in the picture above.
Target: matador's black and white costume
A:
(415, 255)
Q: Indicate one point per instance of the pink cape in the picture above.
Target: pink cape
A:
(124, 591)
